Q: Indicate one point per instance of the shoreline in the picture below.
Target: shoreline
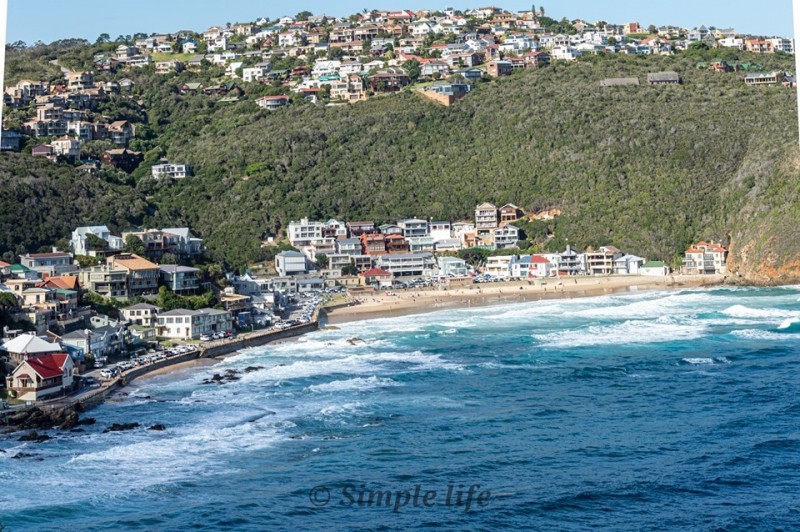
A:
(414, 302)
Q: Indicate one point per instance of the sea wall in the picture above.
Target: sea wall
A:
(258, 340)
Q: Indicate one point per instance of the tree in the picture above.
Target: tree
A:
(475, 257)
(350, 269)
(103, 38)
(322, 261)
(134, 244)
(303, 16)
(95, 243)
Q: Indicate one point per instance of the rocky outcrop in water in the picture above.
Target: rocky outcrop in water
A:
(157, 426)
(34, 436)
(119, 427)
(229, 376)
(36, 418)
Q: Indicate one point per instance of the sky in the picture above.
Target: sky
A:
(87, 19)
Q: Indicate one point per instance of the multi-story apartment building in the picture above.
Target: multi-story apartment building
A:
(105, 280)
(486, 219)
(602, 261)
(179, 279)
(304, 232)
(407, 264)
(705, 258)
(143, 275)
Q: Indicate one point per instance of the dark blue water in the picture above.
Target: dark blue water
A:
(660, 411)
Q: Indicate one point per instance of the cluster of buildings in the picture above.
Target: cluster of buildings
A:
(346, 60)
(350, 253)
(66, 113)
(363, 244)
(48, 286)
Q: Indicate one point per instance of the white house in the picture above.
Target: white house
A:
(452, 267)
(171, 171)
(654, 268)
(407, 264)
(255, 73)
(499, 266)
(290, 263)
(304, 232)
(80, 235)
(628, 265)
(506, 237)
(191, 324)
(42, 377)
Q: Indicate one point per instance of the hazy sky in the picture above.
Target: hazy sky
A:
(30, 21)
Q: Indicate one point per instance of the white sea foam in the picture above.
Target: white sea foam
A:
(741, 311)
(788, 322)
(759, 334)
(698, 361)
(356, 384)
(628, 332)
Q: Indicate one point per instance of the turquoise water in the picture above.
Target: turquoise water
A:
(670, 410)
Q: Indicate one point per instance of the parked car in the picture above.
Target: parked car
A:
(205, 338)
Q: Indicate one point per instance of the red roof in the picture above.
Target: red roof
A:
(538, 259)
(4, 264)
(48, 255)
(48, 366)
(376, 272)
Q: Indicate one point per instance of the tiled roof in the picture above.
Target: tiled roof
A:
(48, 366)
(134, 262)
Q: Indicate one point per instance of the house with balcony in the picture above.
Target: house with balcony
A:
(377, 277)
(122, 158)
(121, 132)
(602, 261)
(105, 280)
(143, 314)
(49, 264)
(421, 243)
(570, 263)
(407, 264)
(373, 244)
(143, 275)
(42, 377)
(78, 81)
(506, 237)
(170, 171)
(348, 246)
(180, 279)
(414, 228)
(452, 267)
(486, 219)
(396, 243)
(499, 267)
(271, 103)
(186, 324)
(79, 243)
(304, 232)
(705, 258)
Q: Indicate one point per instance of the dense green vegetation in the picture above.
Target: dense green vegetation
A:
(648, 169)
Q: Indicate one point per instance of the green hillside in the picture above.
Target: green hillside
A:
(648, 169)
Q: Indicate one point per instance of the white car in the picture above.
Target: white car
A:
(205, 338)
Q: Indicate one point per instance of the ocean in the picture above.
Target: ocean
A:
(653, 410)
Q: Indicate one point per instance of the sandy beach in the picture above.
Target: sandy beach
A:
(368, 305)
